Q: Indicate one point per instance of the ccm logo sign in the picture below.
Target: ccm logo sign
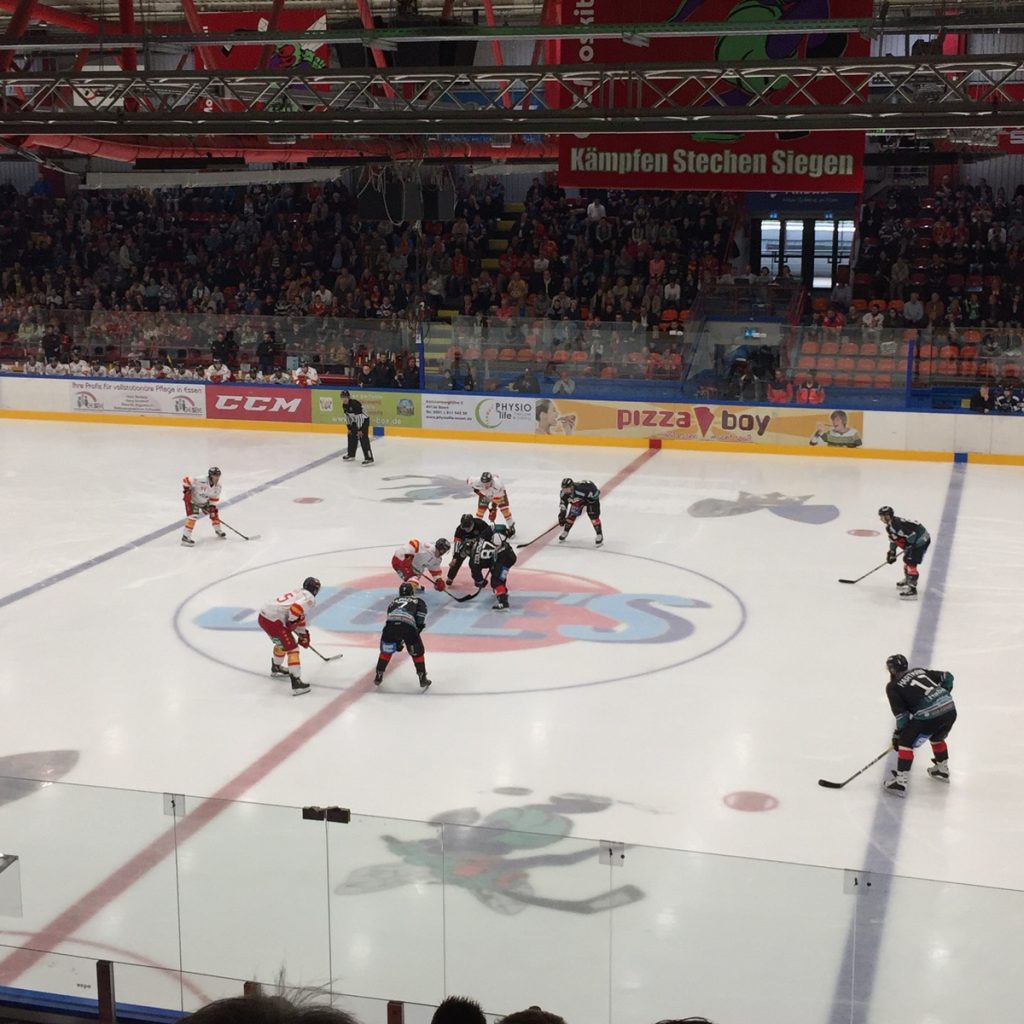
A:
(241, 403)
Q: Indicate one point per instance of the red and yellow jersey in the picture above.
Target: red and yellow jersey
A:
(291, 608)
(424, 558)
(203, 492)
(490, 491)
(305, 376)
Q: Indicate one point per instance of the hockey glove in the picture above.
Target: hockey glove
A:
(303, 639)
(891, 556)
(561, 519)
(439, 585)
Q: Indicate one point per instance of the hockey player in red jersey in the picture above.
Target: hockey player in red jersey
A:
(491, 497)
(284, 621)
(417, 559)
(201, 495)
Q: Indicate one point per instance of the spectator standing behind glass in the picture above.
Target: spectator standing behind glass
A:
(459, 376)
(565, 385)
(779, 388)
(526, 383)
(913, 311)
(810, 392)
(982, 400)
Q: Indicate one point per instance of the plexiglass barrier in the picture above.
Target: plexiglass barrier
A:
(191, 897)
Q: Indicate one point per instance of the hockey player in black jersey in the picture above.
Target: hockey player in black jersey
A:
(575, 496)
(922, 703)
(407, 615)
(497, 556)
(358, 428)
(913, 538)
(469, 531)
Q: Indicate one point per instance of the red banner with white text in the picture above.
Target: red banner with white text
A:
(752, 161)
(244, 402)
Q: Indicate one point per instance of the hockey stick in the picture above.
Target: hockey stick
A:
(469, 597)
(839, 785)
(539, 536)
(322, 657)
(255, 536)
(868, 573)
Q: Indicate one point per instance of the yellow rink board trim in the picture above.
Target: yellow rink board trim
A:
(517, 438)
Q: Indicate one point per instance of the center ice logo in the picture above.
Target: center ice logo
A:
(644, 616)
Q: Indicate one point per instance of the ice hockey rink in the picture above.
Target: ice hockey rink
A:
(679, 691)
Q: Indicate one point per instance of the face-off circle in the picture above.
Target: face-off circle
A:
(750, 800)
(610, 630)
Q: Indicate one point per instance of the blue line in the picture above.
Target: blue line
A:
(66, 574)
(855, 983)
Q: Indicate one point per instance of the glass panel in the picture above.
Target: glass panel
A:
(253, 883)
(519, 907)
(792, 247)
(824, 240)
(845, 232)
(771, 239)
(387, 907)
(728, 938)
(108, 850)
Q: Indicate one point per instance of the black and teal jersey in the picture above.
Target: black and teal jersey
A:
(921, 694)
(910, 531)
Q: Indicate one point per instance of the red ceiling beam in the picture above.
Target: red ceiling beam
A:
(378, 54)
(60, 19)
(206, 53)
(126, 18)
(20, 20)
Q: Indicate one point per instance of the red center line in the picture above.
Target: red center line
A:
(68, 922)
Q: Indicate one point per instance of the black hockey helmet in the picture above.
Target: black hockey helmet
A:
(442, 545)
(485, 477)
(406, 590)
(312, 584)
(213, 471)
(885, 510)
(568, 484)
(896, 663)
(345, 394)
(466, 522)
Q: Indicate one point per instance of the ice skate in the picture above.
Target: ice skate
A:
(187, 541)
(908, 590)
(564, 535)
(500, 604)
(902, 582)
(220, 533)
(347, 458)
(599, 539)
(424, 682)
(299, 687)
(511, 530)
(897, 785)
(378, 678)
(939, 771)
(368, 462)
(278, 670)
